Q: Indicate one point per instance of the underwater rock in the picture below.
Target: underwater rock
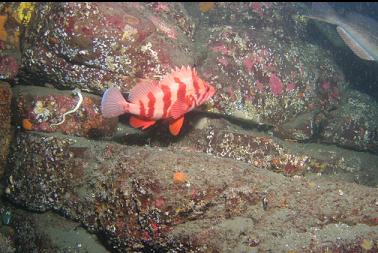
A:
(8, 67)
(132, 198)
(354, 124)
(5, 123)
(95, 45)
(260, 66)
(6, 245)
(49, 110)
(49, 232)
(289, 158)
(92, 46)
(12, 17)
(301, 128)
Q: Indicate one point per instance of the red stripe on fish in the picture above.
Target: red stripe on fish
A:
(166, 99)
(151, 105)
(202, 98)
(181, 91)
(195, 85)
(142, 111)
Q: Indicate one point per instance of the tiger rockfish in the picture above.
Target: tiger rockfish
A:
(176, 94)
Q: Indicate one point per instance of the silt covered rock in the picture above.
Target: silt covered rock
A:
(95, 45)
(354, 124)
(183, 201)
(48, 110)
(5, 123)
(262, 69)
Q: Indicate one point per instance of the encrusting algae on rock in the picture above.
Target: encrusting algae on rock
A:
(206, 6)
(3, 32)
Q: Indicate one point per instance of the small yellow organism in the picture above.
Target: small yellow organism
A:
(24, 12)
(300, 19)
(366, 244)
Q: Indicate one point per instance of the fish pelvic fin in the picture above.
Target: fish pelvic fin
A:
(113, 104)
(141, 123)
(175, 126)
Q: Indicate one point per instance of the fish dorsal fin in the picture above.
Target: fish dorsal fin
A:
(184, 74)
(178, 108)
(141, 90)
(354, 45)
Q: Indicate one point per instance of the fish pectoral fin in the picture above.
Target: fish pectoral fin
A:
(178, 109)
(141, 123)
(175, 126)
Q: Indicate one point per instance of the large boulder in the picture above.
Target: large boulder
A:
(95, 45)
(354, 124)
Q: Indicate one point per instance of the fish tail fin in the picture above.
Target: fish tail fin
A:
(324, 12)
(113, 104)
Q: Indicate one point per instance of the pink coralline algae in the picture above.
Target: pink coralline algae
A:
(221, 48)
(223, 61)
(163, 27)
(257, 7)
(290, 86)
(161, 6)
(248, 64)
(116, 21)
(276, 85)
(331, 90)
(259, 86)
(336, 93)
(8, 66)
(326, 85)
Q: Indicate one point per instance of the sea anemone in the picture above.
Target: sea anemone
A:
(179, 177)
(26, 124)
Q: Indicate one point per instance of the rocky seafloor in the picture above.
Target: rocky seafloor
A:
(283, 158)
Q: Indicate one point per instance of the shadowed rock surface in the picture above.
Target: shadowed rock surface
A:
(128, 195)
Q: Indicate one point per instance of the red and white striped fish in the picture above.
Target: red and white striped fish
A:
(176, 94)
